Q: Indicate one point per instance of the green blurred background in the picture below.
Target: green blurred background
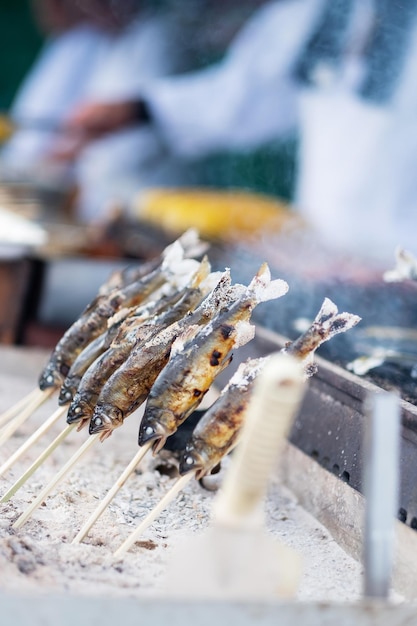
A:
(269, 169)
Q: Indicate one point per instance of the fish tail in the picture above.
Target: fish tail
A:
(263, 288)
(178, 269)
(192, 244)
(332, 322)
(202, 273)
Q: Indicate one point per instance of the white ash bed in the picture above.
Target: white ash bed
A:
(39, 557)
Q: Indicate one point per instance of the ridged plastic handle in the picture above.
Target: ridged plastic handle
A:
(276, 397)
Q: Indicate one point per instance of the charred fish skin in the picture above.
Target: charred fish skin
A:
(194, 365)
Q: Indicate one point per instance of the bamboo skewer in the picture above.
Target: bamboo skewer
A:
(57, 478)
(32, 439)
(37, 463)
(18, 406)
(112, 492)
(162, 504)
(17, 421)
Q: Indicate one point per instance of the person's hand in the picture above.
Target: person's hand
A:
(93, 120)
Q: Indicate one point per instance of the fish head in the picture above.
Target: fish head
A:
(66, 393)
(79, 411)
(51, 376)
(104, 420)
(157, 425)
(192, 460)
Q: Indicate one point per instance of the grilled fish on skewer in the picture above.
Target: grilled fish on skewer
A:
(218, 430)
(196, 361)
(134, 332)
(93, 321)
(126, 317)
(129, 386)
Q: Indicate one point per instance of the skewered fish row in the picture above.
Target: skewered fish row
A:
(132, 335)
(93, 320)
(119, 297)
(217, 432)
(169, 350)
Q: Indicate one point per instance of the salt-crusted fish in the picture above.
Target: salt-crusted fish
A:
(218, 430)
(132, 333)
(93, 321)
(196, 361)
(128, 387)
(121, 323)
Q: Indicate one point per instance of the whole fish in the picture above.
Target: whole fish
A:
(93, 321)
(128, 387)
(196, 361)
(218, 430)
(134, 332)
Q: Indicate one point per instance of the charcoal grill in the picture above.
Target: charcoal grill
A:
(330, 425)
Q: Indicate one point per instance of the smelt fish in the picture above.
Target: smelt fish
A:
(128, 387)
(196, 361)
(93, 321)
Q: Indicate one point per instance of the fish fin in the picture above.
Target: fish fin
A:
(203, 271)
(264, 288)
(192, 244)
(244, 332)
(333, 322)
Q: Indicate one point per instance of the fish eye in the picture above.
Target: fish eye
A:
(189, 460)
(149, 430)
(77, 409)
(50, 379)
(98, 421)
(68, 394)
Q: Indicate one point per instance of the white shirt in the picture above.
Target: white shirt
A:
(85, 64)
(357, 183)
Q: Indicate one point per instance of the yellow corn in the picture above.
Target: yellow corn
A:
(216, 214)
